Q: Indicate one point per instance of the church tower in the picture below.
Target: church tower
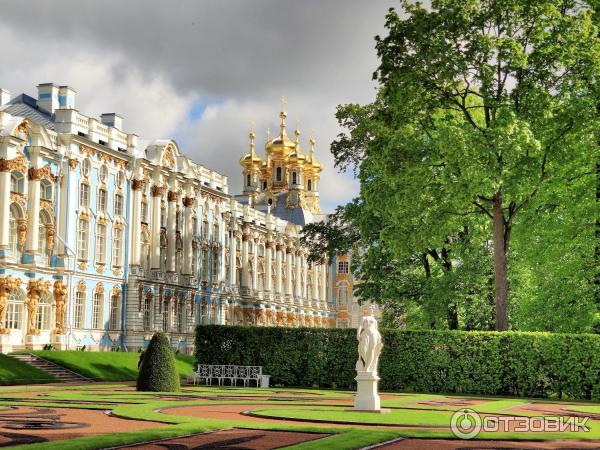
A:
(251, 164)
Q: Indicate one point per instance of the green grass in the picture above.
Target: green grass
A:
(108, 366)
(13, 371)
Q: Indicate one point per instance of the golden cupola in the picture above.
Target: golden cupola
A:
(251, 159)
(297, 157)
(251, 164)
(282, 144)
(316, 166)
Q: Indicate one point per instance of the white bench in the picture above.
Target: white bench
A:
(210, 372)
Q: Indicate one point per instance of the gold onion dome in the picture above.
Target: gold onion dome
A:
(282, 141)
(251, 158)
(297, 155)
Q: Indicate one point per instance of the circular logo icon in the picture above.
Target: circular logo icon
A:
(465, 423)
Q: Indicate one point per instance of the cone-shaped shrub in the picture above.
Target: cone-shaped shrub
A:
(157, 372)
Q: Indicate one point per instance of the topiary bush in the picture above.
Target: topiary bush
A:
(157, 370)
(462, 362)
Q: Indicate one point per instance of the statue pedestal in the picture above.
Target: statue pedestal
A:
(5, 343)
(34, 342)
(367, 397)
(60, 341)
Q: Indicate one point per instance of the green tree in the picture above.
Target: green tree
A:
(157, 371)
(482, 105)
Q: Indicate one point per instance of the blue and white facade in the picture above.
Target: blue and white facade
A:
(106, 238)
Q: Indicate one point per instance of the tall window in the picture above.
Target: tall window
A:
(166, 316)
(84, 195)
(144, 212)
(215, 267)
(42, 236)
(145, 256)
(14, 310)
(179, 254)
(79, 309)
(148, 313)
(86, 167)
(342, 293)
(278, 174)
(163, 252)
(42, 320)
(97, 310)
(13, 229)
(113, 321)
(294, 178)
(118, 247)
(103, 173)
(248, 180)
(215, 232)
(205, 257)
(309, 185)
(101, 243)
(17, 182)
(82, 240)
(45, 190)
(102, 198)
(181, 317)
(343, 267)
(118, 205)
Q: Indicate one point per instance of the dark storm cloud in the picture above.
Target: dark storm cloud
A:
(241, 55)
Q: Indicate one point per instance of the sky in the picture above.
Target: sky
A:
(202, 72)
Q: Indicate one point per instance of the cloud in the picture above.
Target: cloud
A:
(202, 71)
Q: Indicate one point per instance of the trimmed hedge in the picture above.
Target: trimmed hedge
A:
(157, 371)
(488, 363)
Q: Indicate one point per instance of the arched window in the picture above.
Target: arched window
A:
(309, 185)
(113, 321)
(45, 190)
(261, 278)
(101, 243)
(97, 302)
(261, 250)
(42, 320)
(86, 167)
(82, 239)
(248, 180)
(102, 199)
(166, 316)
(17, 182)
(178, 254)
(13, 228)
(117, 247)
(216, 232)
(79, 309)
(14, 311)
(342, 293)
(294, 178)
(148, 312)
(103, 173)
(215, 267)
(84, 195)
(278, 174)
(118, 206)
(205, 262)
(43, 227)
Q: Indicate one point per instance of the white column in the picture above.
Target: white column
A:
(245, 268)
(324, 283)
(171, 230)
(255, 265)
(288, 270)
(278, 267)
(298, 290)
(33, 224)
(188, 204)
(315, 284)
(136, 186)
(233, 255)
(268, 263)
(157, 192)
(4, 203)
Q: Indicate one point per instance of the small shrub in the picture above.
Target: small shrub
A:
(157, 370)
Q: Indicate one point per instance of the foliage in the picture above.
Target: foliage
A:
(491, 363)
(108, 366)
(13, 371)
(157, 371)
(486, 116)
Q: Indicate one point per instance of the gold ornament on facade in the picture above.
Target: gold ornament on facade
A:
(35, 289)
(7, 285)
(73, 163)
(60, 301)
(82, 265)
(21, 131)
(19, 164)
(168, 158)
(21, 234)
(172, 196)
(100, 267)
(50, 234)
(189, 202)
(157, 191)
(137, 184)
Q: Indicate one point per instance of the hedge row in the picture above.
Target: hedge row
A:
(489, 363)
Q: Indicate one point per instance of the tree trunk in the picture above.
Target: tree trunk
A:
(500, 246)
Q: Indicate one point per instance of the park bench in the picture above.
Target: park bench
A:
(221, 373)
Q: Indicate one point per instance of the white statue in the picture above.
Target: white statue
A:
(369, 343)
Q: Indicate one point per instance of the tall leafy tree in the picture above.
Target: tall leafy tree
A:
(482, 105)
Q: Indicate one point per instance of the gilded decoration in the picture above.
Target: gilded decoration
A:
(82, 265)
(35, 289)
(19, 164)
(60, 301)
(73, 163)
(138, 185)
(21, 130)
(44, 173)
(168, 158)
(189, 202)
(81, 287)
(100, 267)
(7, 285)
(21, 233)
(157, 191)
(99, 289)
(50, 235)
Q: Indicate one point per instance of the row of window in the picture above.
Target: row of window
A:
(279, 177)
(101, 200)
(86, 167)
(172, 316)
(17, 186)
(83, 243)
(97, 319)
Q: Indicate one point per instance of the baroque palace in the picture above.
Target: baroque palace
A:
(106, 238)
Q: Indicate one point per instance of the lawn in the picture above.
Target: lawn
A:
(108, 366)
(13, 371)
